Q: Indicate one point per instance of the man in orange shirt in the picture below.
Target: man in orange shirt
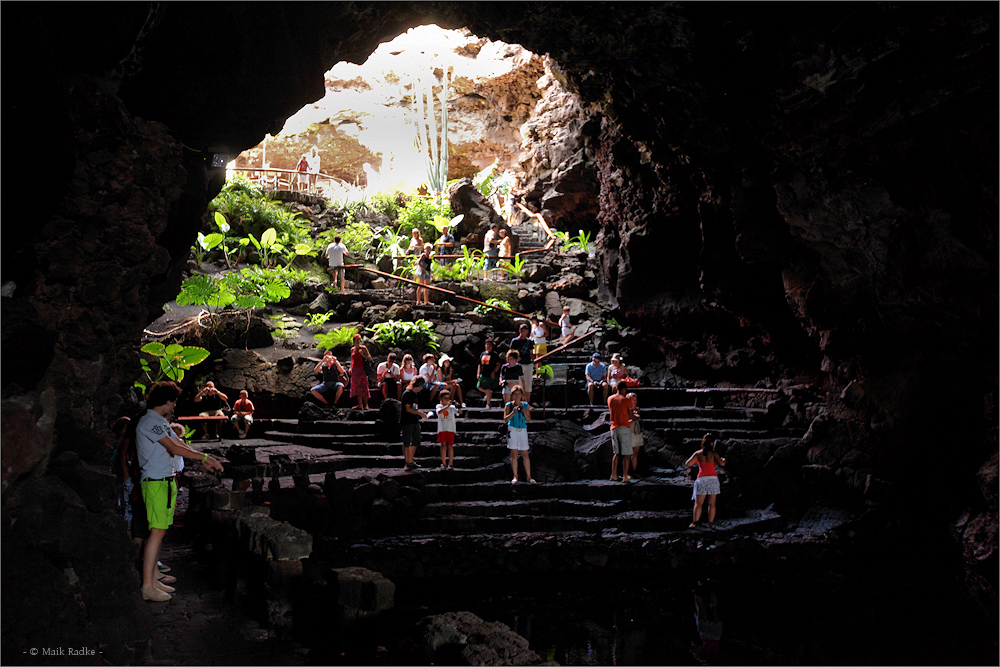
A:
(621, 435)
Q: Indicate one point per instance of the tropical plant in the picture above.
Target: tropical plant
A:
(395, 333)
(340, 337)
(318, 319)
(283, 326)
(582, 241)
(613, 324)
(492, 179)
(499, 303)
(218, 238)
(250, 211)
(387, 203)
(515, 268)
(255, 287)
(420, 212)
(430, 144)
(357, 236)
(207, 291)
(391, 243)
(173, 361)
(565, 243)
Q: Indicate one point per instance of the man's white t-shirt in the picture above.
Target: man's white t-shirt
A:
(429, 372)
(336, 252)
(490, 235)
(383, 367)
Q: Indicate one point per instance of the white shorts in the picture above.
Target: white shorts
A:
(705, 486)
(518, 439)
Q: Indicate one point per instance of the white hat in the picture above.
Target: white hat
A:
(457, 219)
(444, 357)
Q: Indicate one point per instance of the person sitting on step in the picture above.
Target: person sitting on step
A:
(596, 373)
(242, 414)
(211, 400)
(332, 373)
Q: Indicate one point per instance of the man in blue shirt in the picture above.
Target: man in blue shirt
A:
(597, 376)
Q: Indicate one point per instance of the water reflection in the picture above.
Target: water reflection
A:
(708, 622)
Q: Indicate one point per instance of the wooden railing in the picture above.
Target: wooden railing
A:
(287, 179)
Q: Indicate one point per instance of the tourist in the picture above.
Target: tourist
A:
(431, 375)
(517, 414)
(242, 414)
(335, 253)
(211, 400)
(565, 326)
(156, 446)
(416, 243)
(707, 482)
(524, 346)
(387, 375)
(621, 434)
(332, 373)
(510, 374)
(302, 179)
(407, 372)
(446, 372)
(422, 272)
(127, 469)
(313, 161)
(359, 376)
(539, 336)
(409, 422)
(446, 414)
(446, 245)
(486, 372)
(616, 371)
(596, 373)
(636, 430)
(506, 248)
(491, 248)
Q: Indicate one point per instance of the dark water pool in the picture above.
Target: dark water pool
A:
(783, 616)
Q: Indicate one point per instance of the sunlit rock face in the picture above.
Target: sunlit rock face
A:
(814, 184)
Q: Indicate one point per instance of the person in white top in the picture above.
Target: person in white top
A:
(156, 445)
(429, 372)
(566, 326)
(407, 371)
(539, 334)
(446, 414)
(312, 160)
(387, 375)
(336, 252)
(491, 247)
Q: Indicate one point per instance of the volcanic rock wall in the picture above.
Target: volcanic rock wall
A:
(819, 178)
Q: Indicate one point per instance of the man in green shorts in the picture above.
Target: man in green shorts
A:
(157, 444)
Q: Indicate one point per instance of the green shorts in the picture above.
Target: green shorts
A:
(160, 497)
(487, 382)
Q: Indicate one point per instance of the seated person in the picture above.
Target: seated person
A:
(616, 371)
(432, 377)
(211, 400)
(387, 375)
(242, 414)
(332, 373)
(511, 374)
(597, 376)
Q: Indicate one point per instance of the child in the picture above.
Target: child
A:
(510, 373)
(636, 432)
(565, 326)
(446, 413)
(517, 414)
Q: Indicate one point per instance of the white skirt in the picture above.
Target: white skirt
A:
(705, 486)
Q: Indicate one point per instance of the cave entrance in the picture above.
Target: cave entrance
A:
(375, 126)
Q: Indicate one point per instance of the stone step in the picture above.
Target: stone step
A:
(522, 523)
(534, 507)
(615, 548)
(647, 492)
(482, 421)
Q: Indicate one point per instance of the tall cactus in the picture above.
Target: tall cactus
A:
(432, 145)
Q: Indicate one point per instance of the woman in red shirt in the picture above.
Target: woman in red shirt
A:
(707, 483)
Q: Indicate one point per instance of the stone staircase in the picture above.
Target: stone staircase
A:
(413, 522)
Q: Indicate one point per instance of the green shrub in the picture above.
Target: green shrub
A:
(419, 334)
(483, 310)
(419, 212)
(341, 337)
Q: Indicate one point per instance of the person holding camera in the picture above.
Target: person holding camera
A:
(517, 414)
(211, 400)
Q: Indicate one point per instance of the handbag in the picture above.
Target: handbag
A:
(631, 382)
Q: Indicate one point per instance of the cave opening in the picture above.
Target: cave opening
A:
(756, 191)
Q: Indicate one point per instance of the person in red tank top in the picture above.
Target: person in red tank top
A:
(707, 483)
